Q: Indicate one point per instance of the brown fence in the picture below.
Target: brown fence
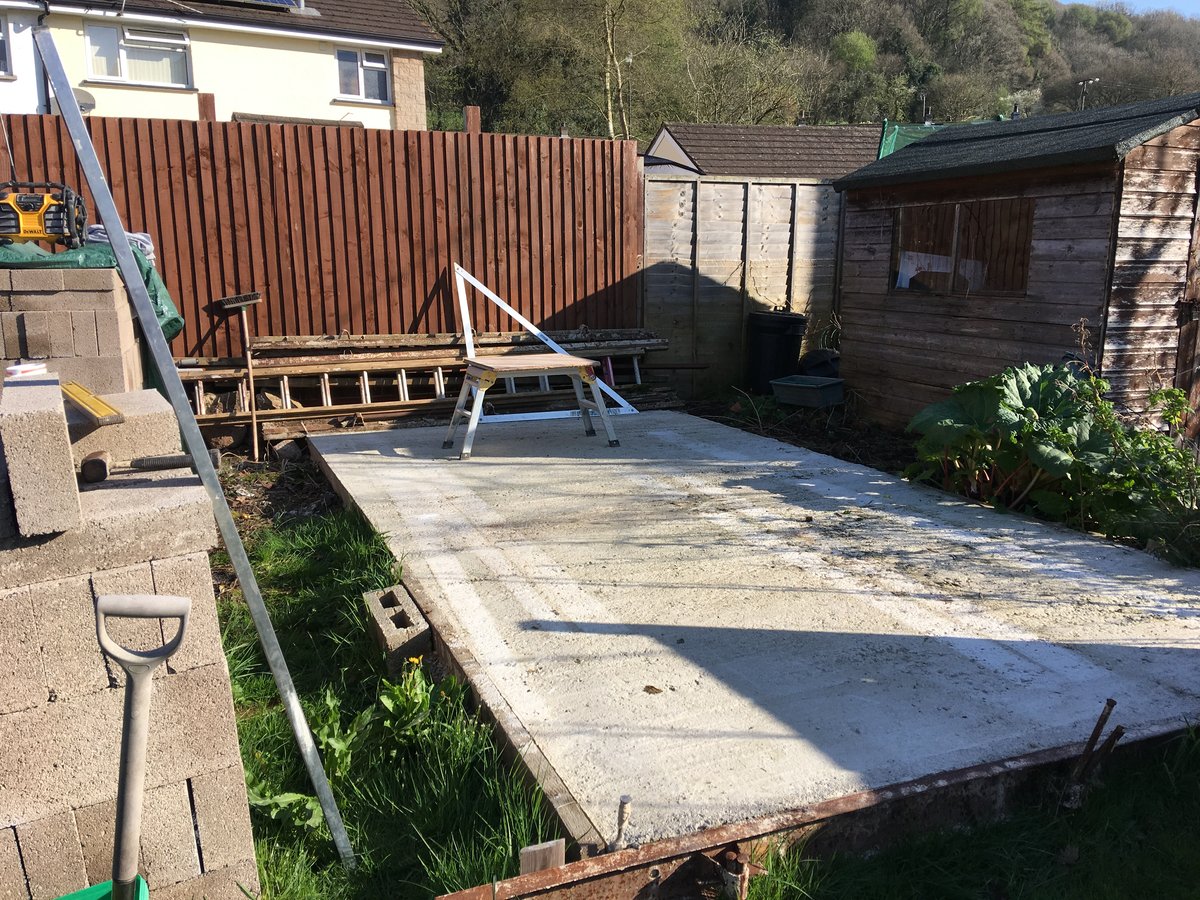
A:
(350, 230)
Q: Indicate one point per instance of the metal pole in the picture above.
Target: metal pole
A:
(160, 353)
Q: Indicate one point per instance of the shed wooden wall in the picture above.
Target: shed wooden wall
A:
(717, 249)
(1154, 239)
(904, 349)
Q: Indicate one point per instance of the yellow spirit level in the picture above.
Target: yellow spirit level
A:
(41, 211)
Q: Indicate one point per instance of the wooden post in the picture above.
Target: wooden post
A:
(472, 123)
(543, 856)
(208, 107)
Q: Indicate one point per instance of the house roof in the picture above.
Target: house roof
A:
(1090, 136)
(381, 20)
(768, 151)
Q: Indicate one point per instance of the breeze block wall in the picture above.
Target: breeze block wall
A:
(61, 707)
(77, 321)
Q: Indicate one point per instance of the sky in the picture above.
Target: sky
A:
(1186, 7)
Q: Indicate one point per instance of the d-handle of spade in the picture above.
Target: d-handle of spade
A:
(139, 666)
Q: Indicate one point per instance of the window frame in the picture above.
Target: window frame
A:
(955, 255)
(7, 70)
(140, 38)
(361, 64)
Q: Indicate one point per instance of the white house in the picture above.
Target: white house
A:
(324, 61)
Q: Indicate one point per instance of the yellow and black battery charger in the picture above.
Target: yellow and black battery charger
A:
(41, 211)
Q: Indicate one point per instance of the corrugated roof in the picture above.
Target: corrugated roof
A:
(1094, 135)
(382, 20)
(768, 151)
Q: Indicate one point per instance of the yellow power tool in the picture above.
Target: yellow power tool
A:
(41, 211)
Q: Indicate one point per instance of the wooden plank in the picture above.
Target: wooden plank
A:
(543, 856)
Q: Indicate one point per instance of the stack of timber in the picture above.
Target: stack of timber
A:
(305, 385)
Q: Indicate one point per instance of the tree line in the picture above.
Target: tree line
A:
(620, 68)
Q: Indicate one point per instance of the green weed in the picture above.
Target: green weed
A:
(427, 799)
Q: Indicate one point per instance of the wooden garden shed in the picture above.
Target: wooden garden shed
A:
(987, 245)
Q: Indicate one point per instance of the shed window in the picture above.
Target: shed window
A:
(963, 248)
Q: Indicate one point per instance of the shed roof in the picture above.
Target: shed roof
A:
(769, 151)
(1094, 135)
(382, 20)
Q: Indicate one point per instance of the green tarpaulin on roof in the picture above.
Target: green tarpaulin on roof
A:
(97, 256)
(898, 135)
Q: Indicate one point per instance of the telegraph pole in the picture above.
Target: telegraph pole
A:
(1083, 88)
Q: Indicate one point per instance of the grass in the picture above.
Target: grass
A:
(1136, 836)
(428, 802)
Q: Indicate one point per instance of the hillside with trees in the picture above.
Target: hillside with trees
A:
(622, 67)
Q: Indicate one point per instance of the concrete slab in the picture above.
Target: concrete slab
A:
(223, 818)
(723, 626)
(12, 873)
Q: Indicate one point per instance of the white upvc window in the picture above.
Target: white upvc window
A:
(138, 55)
(363, 75)
(5, 48)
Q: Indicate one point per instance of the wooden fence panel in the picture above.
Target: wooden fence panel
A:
(718, 248)
(353, 231)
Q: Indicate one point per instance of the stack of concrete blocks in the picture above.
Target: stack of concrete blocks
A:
(76, 321)
(61, 546)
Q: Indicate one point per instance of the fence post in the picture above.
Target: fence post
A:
(471, 120)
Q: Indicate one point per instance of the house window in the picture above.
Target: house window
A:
(963, 248)
(138, 55)
(5, 61)
(363, 75)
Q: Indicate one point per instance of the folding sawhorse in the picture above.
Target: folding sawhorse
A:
(482, 372)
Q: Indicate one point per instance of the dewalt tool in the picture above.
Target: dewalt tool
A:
(41, 211)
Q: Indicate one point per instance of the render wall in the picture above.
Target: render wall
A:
(256, 74)
(903, 349)
(717, 249)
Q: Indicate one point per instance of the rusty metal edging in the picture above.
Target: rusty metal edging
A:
(627, 873)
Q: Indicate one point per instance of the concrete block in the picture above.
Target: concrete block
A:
(36, 280)
(35, 335)
(169, 853)
(10, 326)
(8, 515)
(83, 324)
(190, 576)
(233, 883)
(5, 280)
(97, 826)
(132, 367)
(149, 429)
(136, 634)
(12, 873)
(64, 613)
(223, 817)
(398, 626)
(114, 331)
(100, 375)
(21, 670)
(76, 743)
(92, 280)
(52, 855)
(62, 333)
(168, 843)
(126, 520)
(37, 449)
(50, 301)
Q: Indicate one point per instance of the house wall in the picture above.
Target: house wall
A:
(904, 349)
(719, 248)
(1150, 273)
(249, 73)
(21, 91)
